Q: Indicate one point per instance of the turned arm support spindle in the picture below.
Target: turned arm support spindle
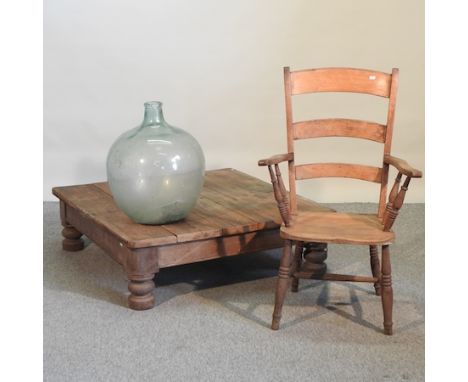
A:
(283, 203)
(395, 201)
(279, 190)
(397, 193)
(395, 188)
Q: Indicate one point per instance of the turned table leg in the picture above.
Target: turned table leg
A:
(315, 255)
(141, 292)
(141, 265)
(72, 239)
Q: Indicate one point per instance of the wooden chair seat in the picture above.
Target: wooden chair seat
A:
(339, 228)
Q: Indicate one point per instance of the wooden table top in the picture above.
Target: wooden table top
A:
(230, 203)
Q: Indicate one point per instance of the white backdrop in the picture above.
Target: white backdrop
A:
(217, 68)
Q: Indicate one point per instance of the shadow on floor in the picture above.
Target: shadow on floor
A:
(251, 279)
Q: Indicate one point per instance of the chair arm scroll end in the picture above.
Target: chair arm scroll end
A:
(275, 159)
(403, 166)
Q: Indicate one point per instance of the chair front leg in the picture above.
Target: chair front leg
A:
(282, 283)
(387, 290)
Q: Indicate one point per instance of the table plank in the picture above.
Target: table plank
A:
(222, 218)
(208, 219)
(262, 190)
(252, 197)
(100, 207)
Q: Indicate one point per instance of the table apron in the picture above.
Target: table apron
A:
(215, 248)
(97, 234)
(177, 253)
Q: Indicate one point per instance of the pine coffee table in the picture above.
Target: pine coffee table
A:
(236, 213)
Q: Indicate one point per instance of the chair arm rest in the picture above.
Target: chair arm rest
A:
(275, 159)
(402, 166)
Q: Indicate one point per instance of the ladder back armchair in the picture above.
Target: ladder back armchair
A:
(312, 231)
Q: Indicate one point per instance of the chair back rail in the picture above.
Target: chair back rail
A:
(340, 80)
(388, 139)
(339, 127)
(338, 170)
(290, 139)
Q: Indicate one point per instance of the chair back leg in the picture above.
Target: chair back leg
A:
(375, 266)
(296, 265)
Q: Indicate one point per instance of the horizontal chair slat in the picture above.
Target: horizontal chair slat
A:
(340, 170)
(341, 80)
(339, 128)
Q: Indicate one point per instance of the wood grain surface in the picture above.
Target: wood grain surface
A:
(341, 80)
(339, 228)
(343, 170)
(339, 127)
(231, 203)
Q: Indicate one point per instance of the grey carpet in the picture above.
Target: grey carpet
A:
(211, 322)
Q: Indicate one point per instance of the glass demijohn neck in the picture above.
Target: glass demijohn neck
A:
(153, 114)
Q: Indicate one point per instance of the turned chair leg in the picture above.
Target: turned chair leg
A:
(387, 291)
(297, 263)
(282, 283)
(375, 266)
(72, 239)
(141, 292)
